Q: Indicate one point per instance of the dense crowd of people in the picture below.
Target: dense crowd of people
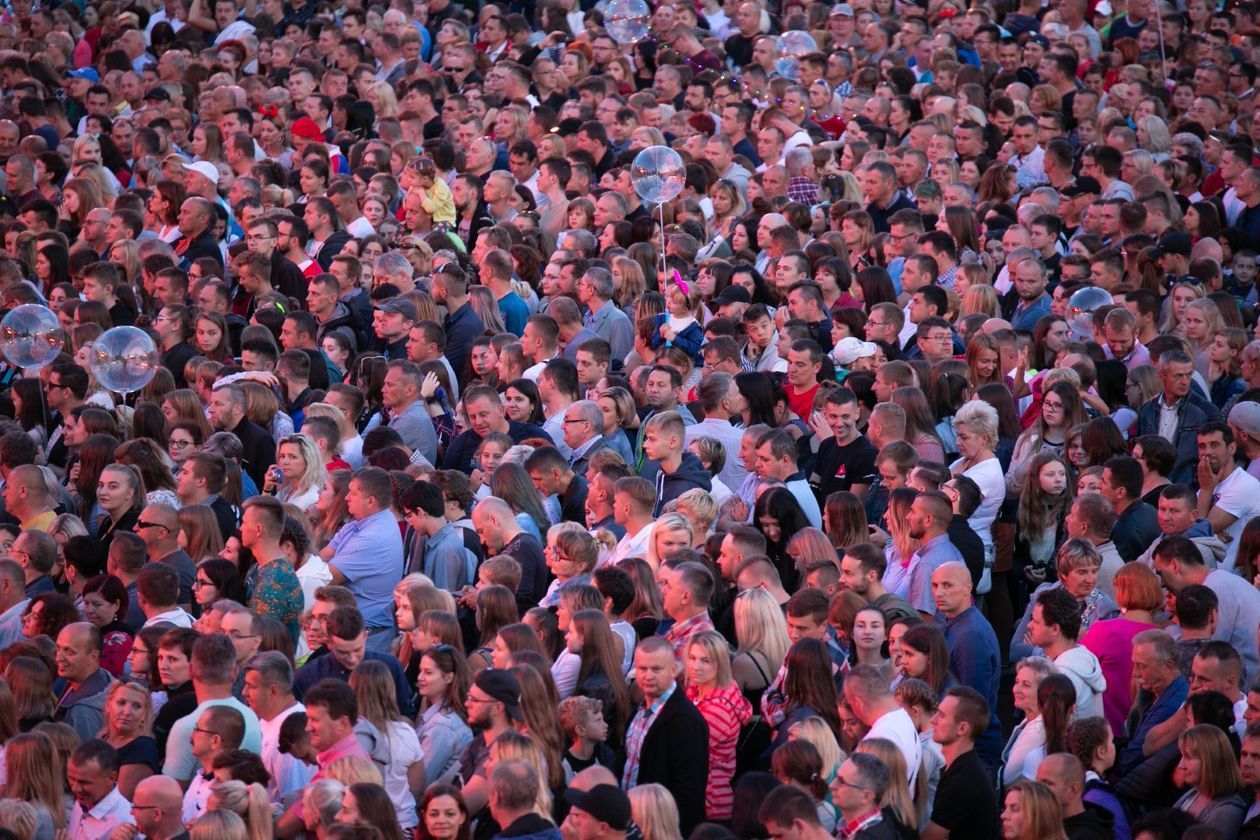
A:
(879, 484)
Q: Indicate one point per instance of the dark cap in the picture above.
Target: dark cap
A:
(1173, 243)
(1084, 185)
(605, 803)
(732, 294)
(568, 127)
(158, 94)
(1040, 40)
(405, 308)
(502, 687)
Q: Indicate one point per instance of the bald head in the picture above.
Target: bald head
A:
(951, 588)
(593, 776)
(158, 804)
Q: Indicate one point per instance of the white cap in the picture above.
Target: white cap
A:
(850, 349)
(204, 168)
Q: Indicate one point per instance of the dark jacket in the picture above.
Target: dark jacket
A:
(287, 278)
(1135, 530)
(530, 827)
(225, 515)
(460, 452)
(690, 474)
(332, 247)
(260, 449)
(1094, 823)
(174, 361)
(343, 321)
(204, 245)
(580, 464)
(462, 326)
(675, 754)
(1193, 411)
(969, 545)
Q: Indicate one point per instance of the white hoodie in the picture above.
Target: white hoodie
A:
(1081, 667)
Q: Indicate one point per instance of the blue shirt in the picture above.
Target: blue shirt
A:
(975, 661)
(326, 666)
(369, 552)
(515, 313)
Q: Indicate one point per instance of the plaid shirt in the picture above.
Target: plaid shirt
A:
(803, 190)
(639, 726)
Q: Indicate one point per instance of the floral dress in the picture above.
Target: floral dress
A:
(273, 589)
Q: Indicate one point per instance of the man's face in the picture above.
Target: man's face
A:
(1176, 515)
(76, 661)
(802, 369)
(842, 420)
(805, 627)
(769, 466)
(348, 652)
(1215, 450)
(654, 671)
(1030, 282)
(485, 416)
(239, 627)
(1176, 378)
(949, 592)
(659, 390)
(89, 784)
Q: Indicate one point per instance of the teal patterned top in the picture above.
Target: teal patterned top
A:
(273, 589)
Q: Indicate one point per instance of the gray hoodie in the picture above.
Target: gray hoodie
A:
(1081, 667)
(1202, 535)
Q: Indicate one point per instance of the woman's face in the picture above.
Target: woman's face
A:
(1080, 582)
(969, 444)
(371, 250)
(986, 364)
(1088, 484)
(335, 352)
(98, 610)
(1024, 691)
(1052, 410)
(609, 410)
(208, 335)
(669, 541)
(1196, 326)
(1220, 352)
(701, 669)
(113, 491)
(1013, 816)
(1053, 478)
(500, 655)
(443, 818)
(1181, 299)
(140, 659)
(198, 145)
(869, 631)
(430, 681)
(579, 219)
(311, 183)
(739, 239)
(125, 711)
(721, 199)
(1075, 452)
(290, 461)
(232, 550)
(852, 234)
(43, 268)
(914, 663)
(204, 590)
(349, 812)
(70, 199)
(1191, 769)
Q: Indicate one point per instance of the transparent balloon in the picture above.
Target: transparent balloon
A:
(31, 336)
(1080, 311)
(792, 45)
(658, 174)
(124, 359)
(627, 20)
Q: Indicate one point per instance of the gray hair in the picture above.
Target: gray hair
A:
(225, 444)
(797, 160)
(392, 264)
(1165, 645)
(872, 773)
(273, 668)
(1192, 143)
(590, 410)
(979, 417)
(325, 796)
(601, 282)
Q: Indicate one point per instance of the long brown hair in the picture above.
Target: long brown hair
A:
(809, 681)
(34, 775)
(599, 651)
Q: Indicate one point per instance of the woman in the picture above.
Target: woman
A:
(522, 403)
(31, 682)
(199, 533)
(368, 805)
(120, 493)
(443, 814)
(321, 803)
(870, 638)
(1139, 597)
(1044, 501)
(809, 688)
(1091, 741)
(163, 210)
(919, 423)
(671, 533)
(496, 609)
(146, 455)
(373, 685)
(904, 575)
(47, 614)
(271, 586)
(654, 811)
(298, 475)
(511, 483)
(1061, 410)
(1027, 745)
(924, 655)
(211, 339)
(976, 435)
(250, 802)
(34, 777)
(778, 515)
(1032, 812)
(762, 643)
(105, 605)
(128, 721)
(599, 673)
(443, 728)
(620, 421)
(715, 694)
(1209, 769)
(798, 764)
(217, 579)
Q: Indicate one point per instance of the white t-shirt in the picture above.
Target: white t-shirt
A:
(896, 726)
(1238, 495)
(404, 751)
(988, 476)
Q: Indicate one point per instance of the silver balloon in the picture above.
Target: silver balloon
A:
(627, 20)
(792, 45)
(658, 174)
(31, 336)
(1080, 310)
(124, 359)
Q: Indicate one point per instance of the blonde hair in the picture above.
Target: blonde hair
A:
(897, 797)
(352, 770)
(18, 817)
(513, 746)
(667, 522)
(718, 650)
(654, 811)
(323, 409)
(218, 825)
(36, 771)
(146, 725)
(249, 802)
(979, 300)
(759, 626)
(698, 507)
(1043, 817)
(816, 731)
(314, 475)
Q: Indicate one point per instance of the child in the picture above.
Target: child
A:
(1241, 282)
(435, 196)
(489, 455)
(663, 441)
(679, 326)
(919, 701)
(762, 347)
(582, 719)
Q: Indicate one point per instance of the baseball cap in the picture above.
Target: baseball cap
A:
(850, 349)
(1173, 243)
(306, 129)
(404, 308)
(204, 168)
(1084, 185)
(605, 803)
(158, 94)
(732, 294)
(1245, 416)
(501, 686)
(1040, 40)
(88, 73)
(842, 10)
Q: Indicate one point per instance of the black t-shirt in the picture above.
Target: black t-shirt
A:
(840, 467)
(965, 803)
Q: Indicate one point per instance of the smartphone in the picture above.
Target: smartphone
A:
(277, 475)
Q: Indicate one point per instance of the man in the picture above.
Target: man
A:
(553, 477)
(219, 730)
(327, 235)
(81, 681)
(965, 804)
(462, 325)
(1054, 627)
(157, 806)
(633, 501)
(1177, 413)
(159, 527)
(1137, 524)
(1179, 564)
(485, 415)
(269, 692)
(777, 459)
(605, 318)
(1229, 496)
(722, 402)
(582, 425)
(500, 533)
(213, 672)
(861, 571)
(846, 458)
(347, 647)
(686, 592)
(427, 343)
(92, 774)
(1064, 774)
(65, 388)
(1162, 691)
(407, 410)
(227, 413)
(127, 555)
(928, 522)
(438, 551)
(973, 647)
(879, 189)
(244, 628)
(857, 791)
(494, 706)
(496, 274)
(871, 700)
(1090, 518)
(678, 470)
(196, 223)
(368, 551)
(100, 281)
(513, 798)
(201, 480)
(264, 238)
(392, 323)
(667, 741)
(601, 812)
(157, 590)
(36, 552)
(789, 813)
(13, 601)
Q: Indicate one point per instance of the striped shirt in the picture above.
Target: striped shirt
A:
(726, 711)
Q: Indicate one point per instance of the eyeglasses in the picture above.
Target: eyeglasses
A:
(236, 637)
(178, 444)
(569, 420)
(204, 731)
(151, 525)
(843, 783)
(198, 583)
